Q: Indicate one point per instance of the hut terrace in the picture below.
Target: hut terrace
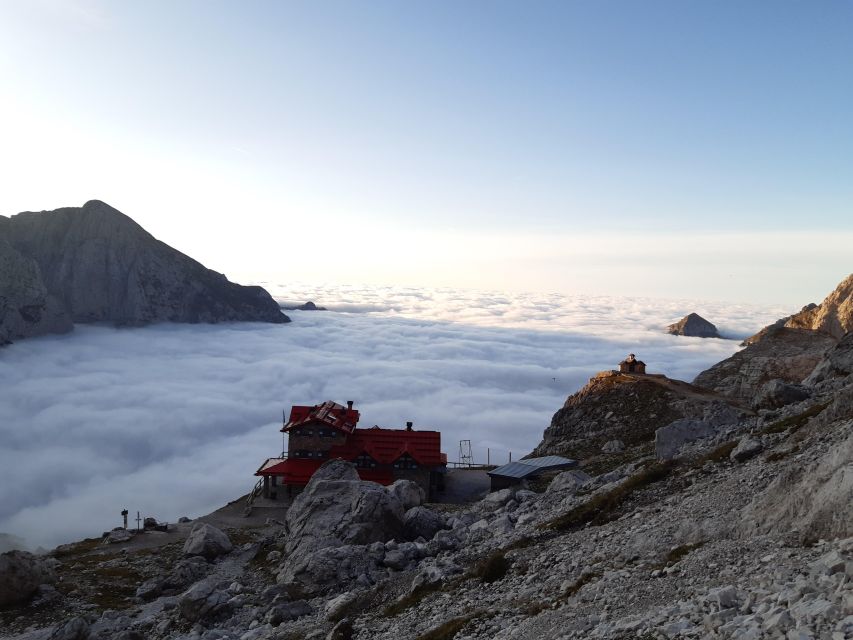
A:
(329, 430)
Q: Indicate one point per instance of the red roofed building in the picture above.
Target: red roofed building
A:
(325, 431)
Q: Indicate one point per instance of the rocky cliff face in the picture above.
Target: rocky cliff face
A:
(786, 351)
(695, 326)
(628, 408)
(99, 265)
(26, 307)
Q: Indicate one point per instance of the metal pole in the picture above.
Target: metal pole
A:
(138, 520)
(488, 455)
(510, 456)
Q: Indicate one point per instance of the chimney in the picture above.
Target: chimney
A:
(349, 405)
(409, 425)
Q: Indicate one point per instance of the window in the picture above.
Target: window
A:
(364, 461)
(405, 461)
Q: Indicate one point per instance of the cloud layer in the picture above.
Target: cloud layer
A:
(173, 420)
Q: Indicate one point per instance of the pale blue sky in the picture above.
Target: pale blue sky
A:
(451, 137)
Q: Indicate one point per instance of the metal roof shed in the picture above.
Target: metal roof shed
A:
(514, 472)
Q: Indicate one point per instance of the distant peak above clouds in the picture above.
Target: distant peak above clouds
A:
(95, 264)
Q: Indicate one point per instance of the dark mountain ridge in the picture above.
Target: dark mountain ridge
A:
(95, 264)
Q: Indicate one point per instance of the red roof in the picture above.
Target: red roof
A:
(387, 445)
(329, 413)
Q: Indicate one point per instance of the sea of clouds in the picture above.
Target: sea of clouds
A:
(173, 420)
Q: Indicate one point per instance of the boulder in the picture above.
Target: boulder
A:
(693, 325)
(420, 522)
(669, 439)
(778, 393)
(613, 446)
(117, 536)
(74, 629)
(336, 509)
(410, 494)
(747, 448)
(568, 481)
(21, 573)
(202, 601)
(332, 569)
(208, 541)
(288, 611)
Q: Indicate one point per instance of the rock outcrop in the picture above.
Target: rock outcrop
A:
(833, 316)
(26, 307)
(626, 407)
(695, 326)
(21, 574)
(815, 501)
(94, 264)
(787, 352)
(207, 541)
(335, 510)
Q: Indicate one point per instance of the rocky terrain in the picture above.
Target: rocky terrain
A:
(695, 326)
(784, 354)
(94, 264)
(629, 408)
(722, 522)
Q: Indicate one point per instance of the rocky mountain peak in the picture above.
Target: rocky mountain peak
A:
(626, 407)
(784, 353)
(695, 326)
(94, 264)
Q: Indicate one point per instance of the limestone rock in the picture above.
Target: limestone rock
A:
(747, 448)
(206, 540)
(288, 611)
(833, 316)
(778, 393)
(568, 481)
(784, 354)
(420, 522)
(21, 573)
(626, 407)
(74, 629)
(202, 600)
(102, 266)
(613, 446)
(336, 509)
(813, 500)
(669, 439)
(26, 307)
(693, 325)
(410, 494)
(838, 363)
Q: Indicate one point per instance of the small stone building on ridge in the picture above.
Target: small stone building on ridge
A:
(632, 365)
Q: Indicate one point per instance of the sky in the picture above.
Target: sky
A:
(657, 148)
(173, 420)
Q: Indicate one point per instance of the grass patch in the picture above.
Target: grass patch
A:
(797, 422)
(412, 599)
(77, 548)
(601, 507)
(579, 584)
(492, 568)
(775, 456)
(718, 455)
(675, 555)
(449, 629)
